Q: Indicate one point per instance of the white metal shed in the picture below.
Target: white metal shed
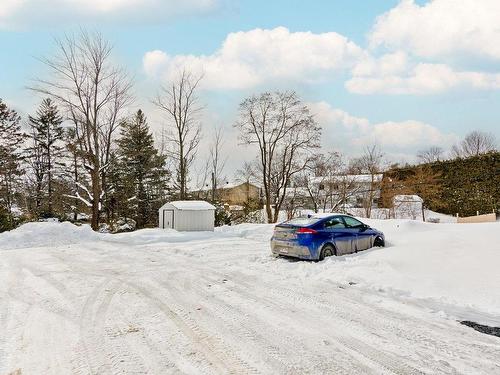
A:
(187, 216)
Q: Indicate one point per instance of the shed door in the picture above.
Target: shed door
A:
(168, 219)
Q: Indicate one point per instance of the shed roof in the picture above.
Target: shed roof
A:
(192, 205)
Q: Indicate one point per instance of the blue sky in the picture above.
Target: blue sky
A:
(405, 74)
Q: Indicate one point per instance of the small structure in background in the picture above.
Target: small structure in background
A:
(408, 207)
(187, 216)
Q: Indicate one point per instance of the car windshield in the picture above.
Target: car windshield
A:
(302, 221)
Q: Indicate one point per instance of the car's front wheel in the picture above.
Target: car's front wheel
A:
(326, 251)
(379, 242)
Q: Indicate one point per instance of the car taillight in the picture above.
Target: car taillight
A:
(306, 231)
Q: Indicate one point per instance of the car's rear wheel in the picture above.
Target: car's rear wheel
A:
(379, 242)
(326, 251)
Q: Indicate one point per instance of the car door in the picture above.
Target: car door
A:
(354, 226)
(340, 235)
(363, 236)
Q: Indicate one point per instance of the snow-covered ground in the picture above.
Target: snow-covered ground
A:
(157, 302)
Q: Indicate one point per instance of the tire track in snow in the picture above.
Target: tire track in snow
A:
(355, 346)
(218, 359)
(101, 354)
(5, 314)
(399, 325)
(380, 359)
(235, 317)
(223, 320)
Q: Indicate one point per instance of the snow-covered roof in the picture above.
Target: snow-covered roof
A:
(407, 198)
(350, 177)
(292, 191)
(191, 205)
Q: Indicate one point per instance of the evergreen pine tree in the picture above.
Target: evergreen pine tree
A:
(143, 170)
(45, 151)
(11, 138)
(116, 198)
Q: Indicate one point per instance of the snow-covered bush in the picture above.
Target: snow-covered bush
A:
(121, 225)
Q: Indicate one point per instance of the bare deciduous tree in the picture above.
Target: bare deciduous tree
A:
(285, 132)
(370, 163)
(318, 178)
(95, 92)
(475, 143)
(180, 104)
(247, 172)
(330, 187)
(217, 160)
(430, 155)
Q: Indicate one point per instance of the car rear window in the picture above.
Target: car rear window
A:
(302, 221)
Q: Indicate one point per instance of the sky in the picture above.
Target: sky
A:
(405, 74)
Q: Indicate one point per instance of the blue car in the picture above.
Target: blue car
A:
(316, 238)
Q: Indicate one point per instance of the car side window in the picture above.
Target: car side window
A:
(334, 223)
(352, 223)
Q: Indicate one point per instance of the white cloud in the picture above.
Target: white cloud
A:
(248, 58)
(350, 133)
(388, 64)
(394, 74)
(22, 13)
(441, 28)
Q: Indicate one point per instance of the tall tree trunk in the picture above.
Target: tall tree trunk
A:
(269, 213)
(38, 198)
(75, 171)
(49, 182)
(96, 192)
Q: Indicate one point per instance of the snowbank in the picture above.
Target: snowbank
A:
(452, 266)
(52, 234)
(257, 232)
(46, 234)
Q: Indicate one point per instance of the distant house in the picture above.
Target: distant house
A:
(187, 216)
(354, 186)
(233, 193)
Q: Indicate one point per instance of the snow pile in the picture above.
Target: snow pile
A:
(158, 236)
(52, 234)
(449, 264)
(46, 234)
(257, 232)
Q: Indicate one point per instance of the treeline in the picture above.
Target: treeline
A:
(461, 185)
(43, 173)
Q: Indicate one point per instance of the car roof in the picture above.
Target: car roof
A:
(324, 215)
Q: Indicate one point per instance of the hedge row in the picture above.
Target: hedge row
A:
(464, 186)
